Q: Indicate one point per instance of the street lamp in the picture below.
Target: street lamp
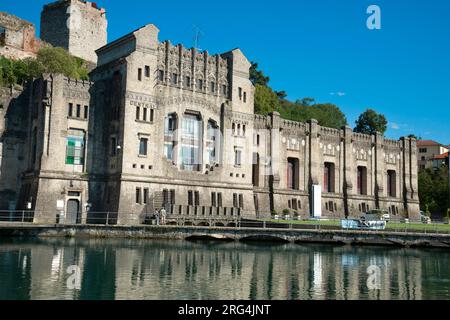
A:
(88, 207)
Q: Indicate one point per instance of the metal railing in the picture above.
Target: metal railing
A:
(207, 218)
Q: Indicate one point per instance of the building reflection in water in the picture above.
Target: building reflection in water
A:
(131, 269)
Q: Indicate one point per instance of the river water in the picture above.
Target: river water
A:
(138, 269)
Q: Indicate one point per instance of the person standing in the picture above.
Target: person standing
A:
(163, 216)
(157, 217)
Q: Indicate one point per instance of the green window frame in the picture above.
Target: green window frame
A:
(75, 150)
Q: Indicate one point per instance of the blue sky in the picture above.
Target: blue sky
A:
(317, 48)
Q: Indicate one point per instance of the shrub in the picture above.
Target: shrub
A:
(286, 211)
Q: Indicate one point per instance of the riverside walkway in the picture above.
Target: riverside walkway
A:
(240, 232)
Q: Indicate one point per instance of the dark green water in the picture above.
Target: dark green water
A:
(133, 269)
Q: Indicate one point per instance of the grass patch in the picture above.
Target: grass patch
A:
(391, 226)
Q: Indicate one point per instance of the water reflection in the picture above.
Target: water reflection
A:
(132, 269)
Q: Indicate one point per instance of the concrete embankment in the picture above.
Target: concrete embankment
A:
(239, 234)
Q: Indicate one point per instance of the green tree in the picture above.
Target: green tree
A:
(266, 101)
(433, 190)
(371, 122)
(7, 74)
(281, 94)
(328, 115)
(257, 76)
(49, 60)
(58, 60)
(306, 102)
(414, 136)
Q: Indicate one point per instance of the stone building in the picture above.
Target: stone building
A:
(17, 38)
(160, 125)
(76, 25)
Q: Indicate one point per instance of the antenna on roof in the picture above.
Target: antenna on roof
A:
(198, 33)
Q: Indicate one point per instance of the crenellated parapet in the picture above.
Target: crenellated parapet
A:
(192, 70)
(77, 89)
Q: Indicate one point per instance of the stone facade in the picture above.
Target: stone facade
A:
(17, 38)
(160, 125)
(78, 26)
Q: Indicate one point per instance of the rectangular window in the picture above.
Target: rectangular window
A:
(235, 200)
(391, 184)
(292, 173)
(138, 113)
(213, 199)
(362, 181)
(161, 75)
(423, 150)
(138, 195)
(78, 111)
(197, 198)
(241, 201)
(143, 142)
(140, 74)
(294, 204)
(70, 112)
(199, 84)
(190, 198)
(237, 157)
(169, 143)
(240, 93)
(145, 196)
(245, 97)
(219, 199)
(86, 112)
(224, 90)
(191, 143)
(147, 71)
(328, 177)
(145, 114)
(187, 82)
(75, 148)
(212, 87)
(172, 196)
(152, 114)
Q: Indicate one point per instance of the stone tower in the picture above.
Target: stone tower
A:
(78, 26)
